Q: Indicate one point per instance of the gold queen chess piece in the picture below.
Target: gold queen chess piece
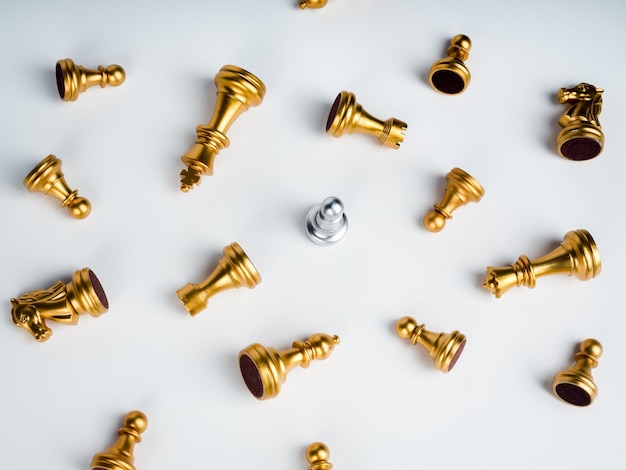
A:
(576, 255)
(120, 455)
(237, 90)
(317, 454)
(581, 137)
(264, 370)
(61, 303)
(450, 75)
(346, 115)
(73, 79)
(575, 385)
(234, 270)
(47, 178)
(444, 348)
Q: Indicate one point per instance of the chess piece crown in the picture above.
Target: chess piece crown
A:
(120, 455)
(73, 79)
(327, 223)
(317, 455)
(576, 385)
(450, 75)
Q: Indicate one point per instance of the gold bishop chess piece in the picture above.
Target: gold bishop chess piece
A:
(62, 303)
(317, 455)
(47, 178)
(264, 370)
(444, 348)
(237, 90)
(575, 385)
(450, 75)
(312, 4)
(120, 455)
(461, 189)
(346, 115)
(73, 79)
(576, 255)
(234, 270)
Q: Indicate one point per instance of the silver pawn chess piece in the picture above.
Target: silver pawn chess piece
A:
(326, 224)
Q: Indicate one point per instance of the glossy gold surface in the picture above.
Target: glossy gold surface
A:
(444, 348)
(73, 79)
(264, 370)
(237, 90)
(450, 75)
(461, 189)
(47, 178)
(577, 255)
(575, 385)
(346, 115)
(120, 455)
(317, 455)
(312, 4)
(61, 303)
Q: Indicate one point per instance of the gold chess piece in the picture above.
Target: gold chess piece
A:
(234, 270)
(346, 115)
(61, 302)
(312, 4)
(444, 348)
(47, 177)
(581, 137)
(461, 189)
(120, 455)
(73, 79)
(576, 255)
(237, 90)
(317, 455)
(575, 385)
(264, 370)
(450, 75)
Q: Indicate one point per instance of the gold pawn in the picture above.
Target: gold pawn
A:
(317, 455)
(234, 270)
(73, 79)
(576, 255)
(444, 348)
(237, 90)
(48, 178)
(312, 4)
(450, 75)
(264, 370)
(575, 385)
(461, 189)
(346, 115)
(120, 455)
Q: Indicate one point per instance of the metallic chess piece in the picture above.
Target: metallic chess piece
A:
(326, 224)
(444, 348)
(237, 90)
(234, 270)
(61, 302)
(461, 189)
(312, 4)
(450, 75)
(73, 79)
(48, 178)
(577, 254)
(317, 455)
(264, 370)
(575, 385)
(120, 455)
(581, 137)
(346, 115)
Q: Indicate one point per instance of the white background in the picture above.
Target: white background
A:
(377, 402)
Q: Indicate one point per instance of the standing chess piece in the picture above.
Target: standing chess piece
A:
(575, 385)
(317, 455)
(312, 4)
(120, 455)
(450, 75)
(73, 79)
(327, 223)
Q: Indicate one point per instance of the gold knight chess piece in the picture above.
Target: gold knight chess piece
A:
(73, 79)
(575, 385)
(120, 455)
(450, 75)
(317, 455)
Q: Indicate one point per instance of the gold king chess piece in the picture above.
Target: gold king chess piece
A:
(581, 137)
(234, 270)
(47, 178)
(346, 115)
(312, 4)
(264, 370)
(450, 75)
(461, 189)
(575, 385)
(73, 79)
(120, 455)
(61, 303)
(237, 90)
(444, 348)
(576, 255)
(317, 455)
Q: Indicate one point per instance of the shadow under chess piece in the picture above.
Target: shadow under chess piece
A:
(461, 189)
(264, 370)
(346, 115)
(312, 4)
(120, 455)
(234, 270)
(327, 223)
(576, 255)
(73, 79)
(237, 90)
(317, 455)
(47, 178)
(575, 385)
(450, 75)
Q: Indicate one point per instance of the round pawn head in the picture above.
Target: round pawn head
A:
(434, 221)
(115, 76)
(136, 420)
(317, 455)
(79, 208)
